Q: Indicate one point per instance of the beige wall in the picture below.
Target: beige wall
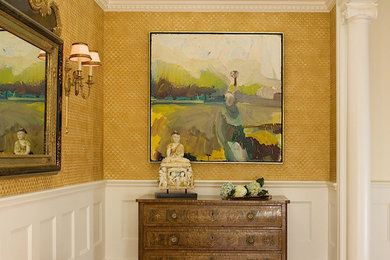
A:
(307, 92)
(380, 93)
(82, 156)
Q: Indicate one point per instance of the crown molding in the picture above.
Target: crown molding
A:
(103, 4)
(330, 4)
(216, 5)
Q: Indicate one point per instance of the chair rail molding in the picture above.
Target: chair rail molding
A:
(216, 5)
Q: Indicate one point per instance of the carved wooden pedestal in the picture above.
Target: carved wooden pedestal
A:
(211, 228)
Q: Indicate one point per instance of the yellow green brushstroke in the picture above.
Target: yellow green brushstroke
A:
(249, 90)
(264, 137)
(154, 142)
(216, 155)
(33, 74)
(177, 75)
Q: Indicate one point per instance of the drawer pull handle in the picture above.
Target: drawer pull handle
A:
(212, 213)
(174, 216)
(250, 216)
(212, 237)
(250, 240)
(174, 240)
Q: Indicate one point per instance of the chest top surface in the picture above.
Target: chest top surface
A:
(210, 199)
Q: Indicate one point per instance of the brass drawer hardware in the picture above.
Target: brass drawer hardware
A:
(250, 216)
(250, 240)
(174, 239)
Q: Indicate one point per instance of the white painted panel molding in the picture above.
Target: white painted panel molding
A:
(54, 224)
(307, 216)
(332, 222)
(216, 5)
(380, 221)
(99, 220)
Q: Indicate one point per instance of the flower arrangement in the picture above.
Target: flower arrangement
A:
(252, 190)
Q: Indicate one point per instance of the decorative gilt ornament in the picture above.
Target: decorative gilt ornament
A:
(46, 7)
(42, 6)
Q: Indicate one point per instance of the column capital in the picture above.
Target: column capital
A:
(367, 10)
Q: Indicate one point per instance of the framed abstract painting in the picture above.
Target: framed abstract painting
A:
(222, 92)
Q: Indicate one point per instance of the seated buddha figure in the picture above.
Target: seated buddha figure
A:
(175, 150)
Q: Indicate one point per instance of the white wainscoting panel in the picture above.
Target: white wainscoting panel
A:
(307, 216)
(332, 222)
(380, 221)
(56, 224)
(99, 220)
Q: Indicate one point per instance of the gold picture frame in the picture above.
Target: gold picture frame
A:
(48, 159)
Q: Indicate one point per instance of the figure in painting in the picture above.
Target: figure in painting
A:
(22, 145)
(229, 129)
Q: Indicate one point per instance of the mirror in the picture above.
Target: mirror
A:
(30, 95)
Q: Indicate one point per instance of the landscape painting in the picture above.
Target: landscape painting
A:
(22, 97)
(222, 92)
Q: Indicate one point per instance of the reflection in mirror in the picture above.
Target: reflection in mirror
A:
(22, 96)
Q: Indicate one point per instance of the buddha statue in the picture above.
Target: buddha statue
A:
(175, 171)
(22, 146)
(175, 150)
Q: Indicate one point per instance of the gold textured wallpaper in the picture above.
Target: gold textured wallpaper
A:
(333, 98)
(82, 147)
(307, 92)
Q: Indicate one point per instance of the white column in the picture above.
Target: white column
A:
(358, 15)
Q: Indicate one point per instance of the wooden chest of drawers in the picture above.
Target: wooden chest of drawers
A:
(211, 228)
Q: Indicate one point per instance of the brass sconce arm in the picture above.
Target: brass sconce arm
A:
(75, 80)
(81, 54)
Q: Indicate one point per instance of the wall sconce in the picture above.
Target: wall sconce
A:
(81, 54)
(42, 55)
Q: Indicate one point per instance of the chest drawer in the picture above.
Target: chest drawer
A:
(212, 238)
(179, 215)
(161, 255)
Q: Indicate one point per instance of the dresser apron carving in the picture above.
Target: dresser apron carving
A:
(211, 228)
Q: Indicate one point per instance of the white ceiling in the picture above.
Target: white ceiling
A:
(216, 5)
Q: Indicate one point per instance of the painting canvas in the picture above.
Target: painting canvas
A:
(223, 93)
(22, 96)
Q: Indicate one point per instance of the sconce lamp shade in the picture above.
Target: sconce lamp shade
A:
(95, 60)
(42, 55)
(79, 52)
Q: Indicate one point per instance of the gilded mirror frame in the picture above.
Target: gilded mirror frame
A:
(19, 24)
